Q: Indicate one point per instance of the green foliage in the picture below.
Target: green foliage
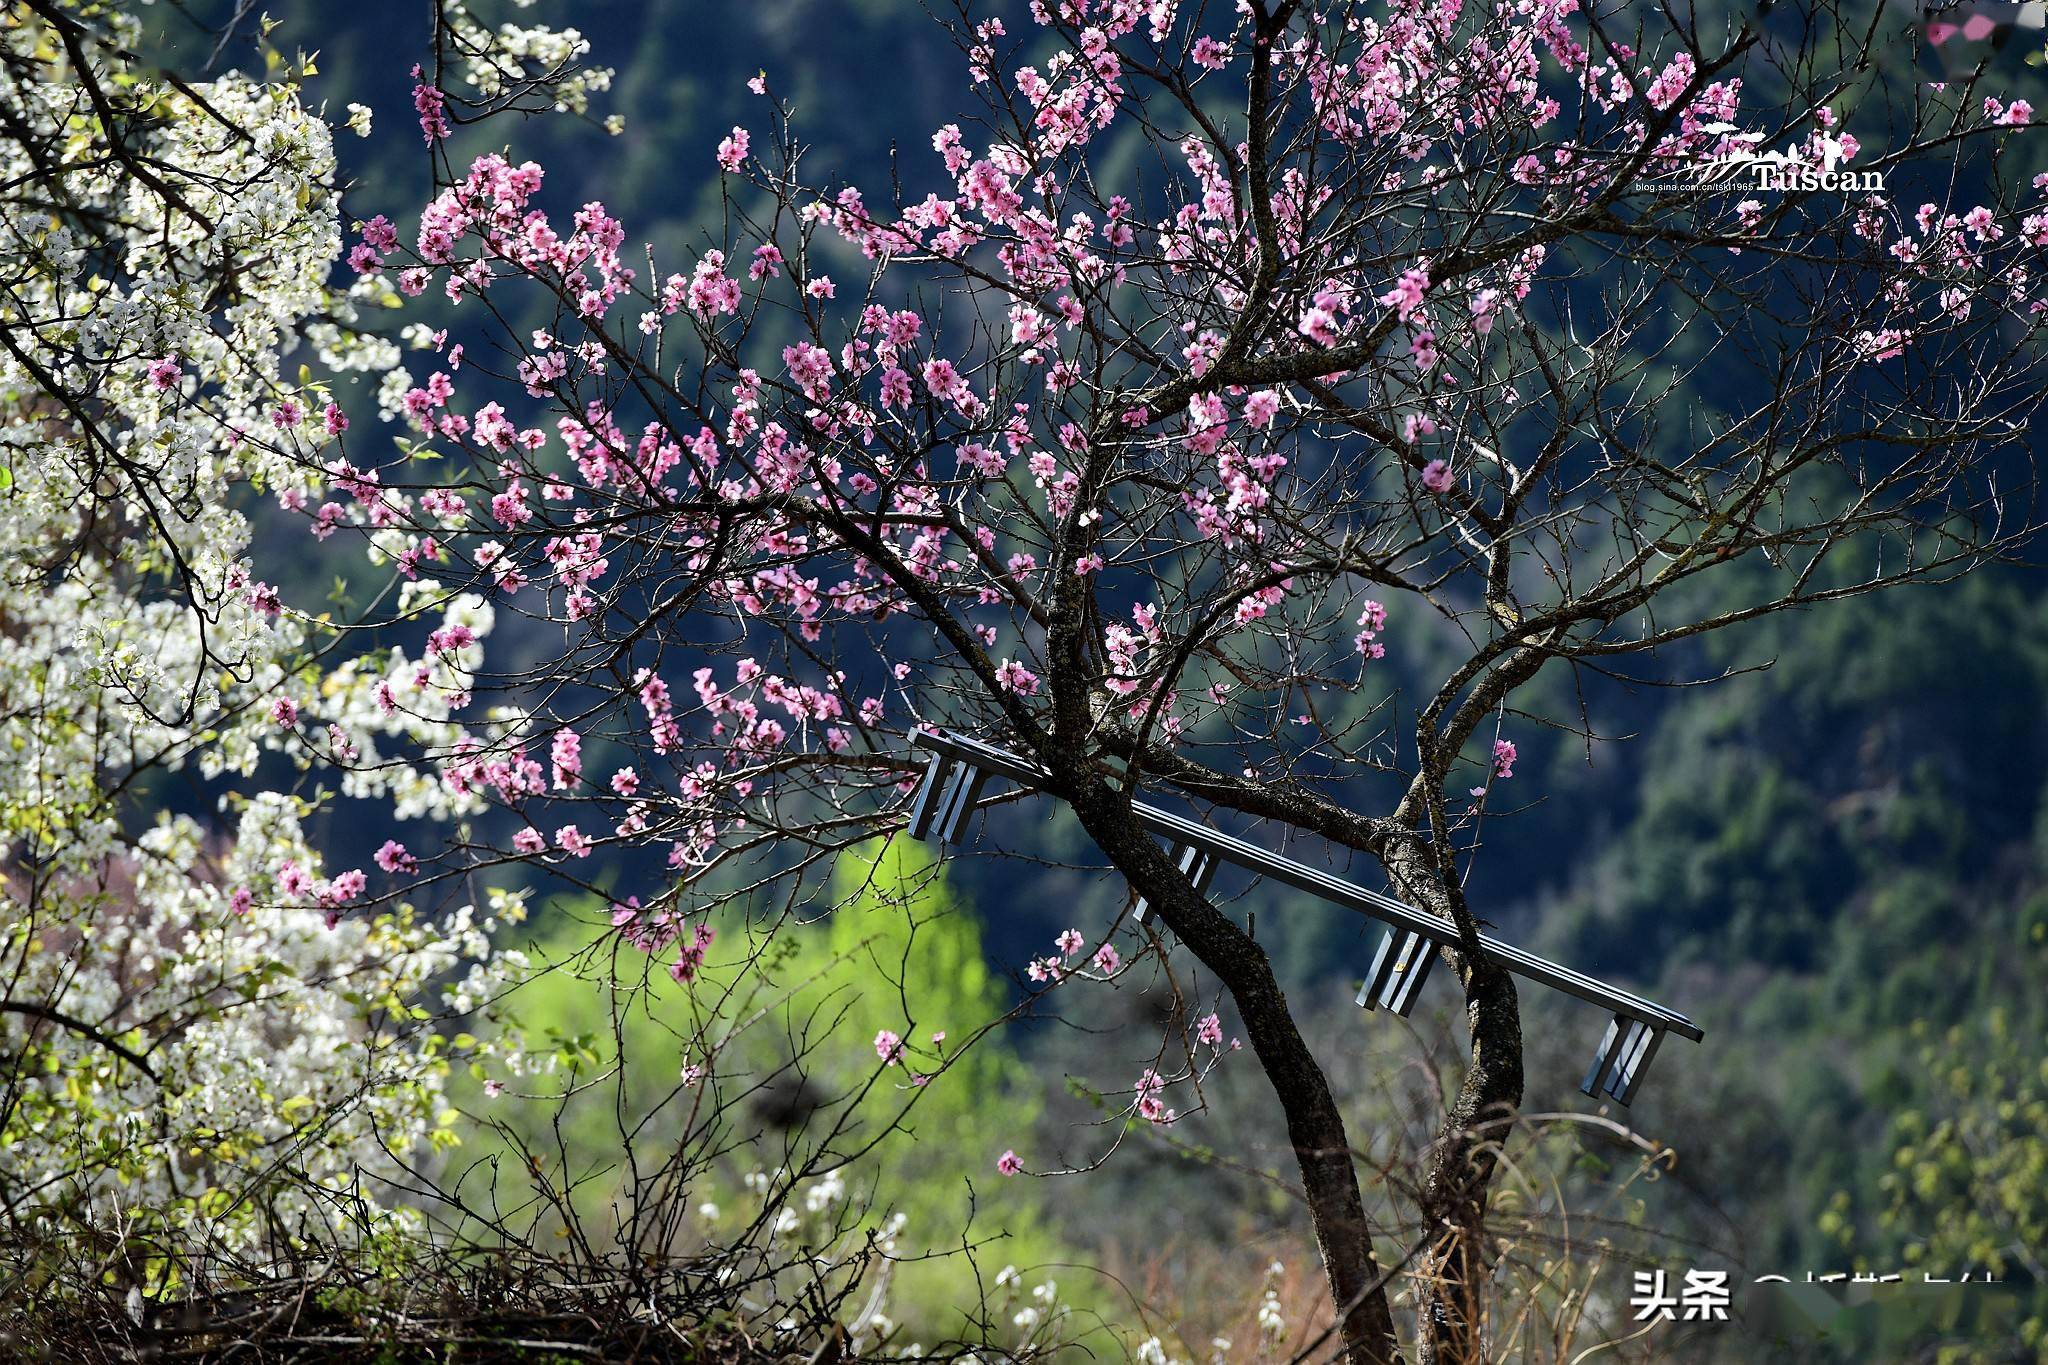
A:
(1969, 1184)
(779, 1034)
(1960, 1186)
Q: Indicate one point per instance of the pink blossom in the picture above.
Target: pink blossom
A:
(733, 150)
(1483, 306)
(1672, 82)
(1503, 758)
(285, 711)
(690, 956)
(1106, 960)
(345, 887)
(431, 107)
(163, 374)
(1009, 1163)
(566, 754)
(1209, 1032)
(1886, 343)
(895, 388)
(529, 840)
(1436, 476)
(1070, 942)
(572, 841)
(1014, 677)
(393, 857)
(888, 1046)
(1371, 621)
(1406, 295)
(944, 379)
(810, 366)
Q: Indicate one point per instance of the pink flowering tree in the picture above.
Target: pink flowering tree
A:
(1454, 327)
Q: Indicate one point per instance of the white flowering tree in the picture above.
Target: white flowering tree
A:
(233, 1059)
(1422, 322)
(204, 1055)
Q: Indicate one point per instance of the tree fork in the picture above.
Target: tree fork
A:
(1315, 1126)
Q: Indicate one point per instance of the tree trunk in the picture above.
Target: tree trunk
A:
(1461, 1168)
(1315, 1127)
